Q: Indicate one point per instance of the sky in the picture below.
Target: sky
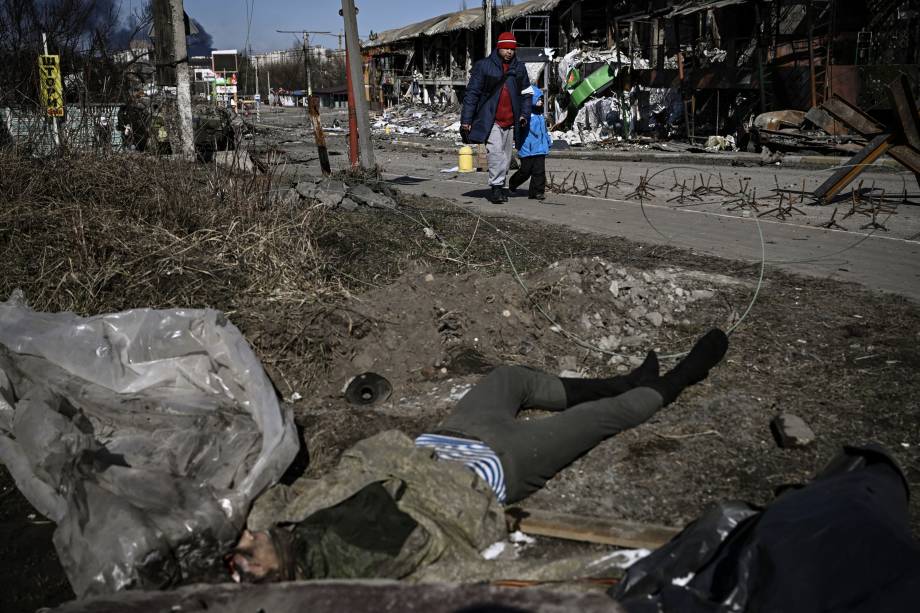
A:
(226, 20)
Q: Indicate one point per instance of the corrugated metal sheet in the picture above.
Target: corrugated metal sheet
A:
(703, 6)
(681, 9)
(388, 37)
(471, 19)
(526, 8)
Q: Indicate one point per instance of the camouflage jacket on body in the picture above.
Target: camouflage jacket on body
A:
(457, 514)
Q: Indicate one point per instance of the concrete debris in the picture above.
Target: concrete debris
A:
(791, 431)
(419, 120)
(630, 305)
(332, 193)
(790, 130)
(348, 204)
(362, 194)
(720, 143)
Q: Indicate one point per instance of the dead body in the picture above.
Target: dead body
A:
(395, 508)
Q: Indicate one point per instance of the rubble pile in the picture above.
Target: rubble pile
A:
(628, 306)
(817, 130)
(336, 194)
(419, 120)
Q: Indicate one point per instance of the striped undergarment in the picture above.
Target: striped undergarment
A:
(475, 455)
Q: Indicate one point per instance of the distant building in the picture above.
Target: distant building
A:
(138, 50)
(317, 55)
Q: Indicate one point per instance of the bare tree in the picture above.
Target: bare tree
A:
(80, 31)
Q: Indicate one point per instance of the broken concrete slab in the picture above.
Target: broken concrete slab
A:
(791, 431)
(306, 189)
(362, 194)
(348, 204)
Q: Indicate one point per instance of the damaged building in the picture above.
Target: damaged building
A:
(671, 69)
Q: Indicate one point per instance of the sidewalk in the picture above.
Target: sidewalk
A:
(726, 158)
(877, 262)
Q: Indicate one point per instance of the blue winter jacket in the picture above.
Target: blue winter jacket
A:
(479, 111)
(538, 140)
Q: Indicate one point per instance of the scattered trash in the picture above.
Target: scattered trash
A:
(368, 389)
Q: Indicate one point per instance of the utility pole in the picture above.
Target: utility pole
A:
(356, 90)
(258, 96)
(306, 63)
(487, 7)
(306, 54)
(172, 52)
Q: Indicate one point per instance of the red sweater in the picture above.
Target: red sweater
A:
(504, 114)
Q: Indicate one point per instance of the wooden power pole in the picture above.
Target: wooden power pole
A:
(356, 91)
(487, 7)
(172, 59)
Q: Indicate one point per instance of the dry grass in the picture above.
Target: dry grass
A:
(91, 234)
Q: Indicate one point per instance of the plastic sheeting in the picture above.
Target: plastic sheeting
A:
(841, 543)
(144, 435)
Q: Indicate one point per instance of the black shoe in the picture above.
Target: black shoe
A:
(497, 197)
(504, 193)
(707, 352)
(537, 197)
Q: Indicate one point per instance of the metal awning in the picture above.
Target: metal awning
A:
(405, 33)
(681, 9)
(526, 8)
(471, 19)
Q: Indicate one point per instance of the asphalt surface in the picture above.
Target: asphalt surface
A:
(884, 258)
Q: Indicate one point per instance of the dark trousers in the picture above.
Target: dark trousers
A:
(534, 168)
(533, 451)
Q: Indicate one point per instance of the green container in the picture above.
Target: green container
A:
(596, 82)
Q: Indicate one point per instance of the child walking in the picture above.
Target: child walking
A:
(533, 152)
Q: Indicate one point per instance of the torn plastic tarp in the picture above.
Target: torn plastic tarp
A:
(144, 435)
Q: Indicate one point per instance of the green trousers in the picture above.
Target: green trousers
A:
(533, 451)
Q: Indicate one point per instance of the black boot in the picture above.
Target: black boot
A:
(707, 352)
(496, 197)
(584, 390)
(504, 194)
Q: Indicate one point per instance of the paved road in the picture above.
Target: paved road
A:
(887, 261)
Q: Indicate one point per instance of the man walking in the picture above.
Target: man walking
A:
(496, 109)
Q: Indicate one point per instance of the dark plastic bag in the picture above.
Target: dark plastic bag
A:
(841, 543)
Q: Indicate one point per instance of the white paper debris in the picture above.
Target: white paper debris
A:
(493, 551)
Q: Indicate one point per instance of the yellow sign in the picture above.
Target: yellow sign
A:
(49, 70)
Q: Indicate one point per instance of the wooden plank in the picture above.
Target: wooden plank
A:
(855, 165)
(909, 157)
(852, 117)
(589, 529)
(903, 102)
(823, 120)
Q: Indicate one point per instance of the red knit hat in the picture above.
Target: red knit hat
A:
(506, 40)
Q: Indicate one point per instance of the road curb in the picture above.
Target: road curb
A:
(727, 159)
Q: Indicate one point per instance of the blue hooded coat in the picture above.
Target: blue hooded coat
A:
(479, 107)
(538, 140)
